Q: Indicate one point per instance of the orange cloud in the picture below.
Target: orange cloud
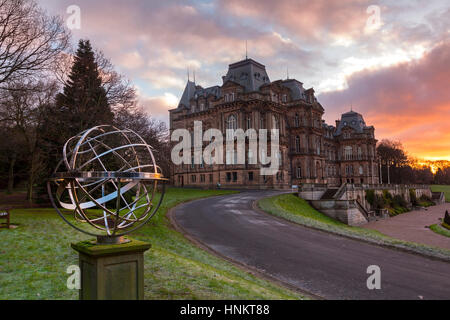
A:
(408, 102)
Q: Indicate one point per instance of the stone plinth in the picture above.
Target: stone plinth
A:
(111, 271)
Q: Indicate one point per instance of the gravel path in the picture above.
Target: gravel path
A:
(411, 226)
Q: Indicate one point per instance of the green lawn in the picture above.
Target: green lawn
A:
(295, 209)
(442, 188)
(440, 230)
(34, 258)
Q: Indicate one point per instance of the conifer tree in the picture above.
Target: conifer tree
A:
(83, 103)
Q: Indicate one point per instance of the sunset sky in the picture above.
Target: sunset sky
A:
(395, 72)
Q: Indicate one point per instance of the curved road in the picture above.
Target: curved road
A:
(320, 263)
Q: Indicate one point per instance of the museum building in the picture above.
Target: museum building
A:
(310, 151)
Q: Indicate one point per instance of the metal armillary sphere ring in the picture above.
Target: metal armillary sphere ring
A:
(107, 181)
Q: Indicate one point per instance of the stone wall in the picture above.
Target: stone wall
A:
(341, 210)
(349, 204)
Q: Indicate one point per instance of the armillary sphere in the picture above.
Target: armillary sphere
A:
(106, 183)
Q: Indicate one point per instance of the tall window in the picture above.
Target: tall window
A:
(276, 124)
(297, 144)
(262, 121)
(249, 122)
(348, 153)
(232, 123)
(296, 121)
(299, 172)
(359, 153)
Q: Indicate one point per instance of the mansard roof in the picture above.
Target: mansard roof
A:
(248, 73)
(191, 91)
(188, 93)
(296, 88)
(353, 120)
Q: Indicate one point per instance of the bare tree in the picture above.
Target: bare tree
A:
(21, 110)
(30, 40)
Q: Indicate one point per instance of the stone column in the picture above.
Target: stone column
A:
(112, 271)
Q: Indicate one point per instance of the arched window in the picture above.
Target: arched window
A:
(297, 144)
(348, 153)
(232, 123)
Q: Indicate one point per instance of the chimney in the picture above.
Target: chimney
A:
(337, 123)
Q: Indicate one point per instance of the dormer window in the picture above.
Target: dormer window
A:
(232, 96)
(226, 97)
(284, 98)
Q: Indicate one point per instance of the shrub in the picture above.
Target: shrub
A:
(370, 196)
(412, 196)
(399, 201)
(379, 202)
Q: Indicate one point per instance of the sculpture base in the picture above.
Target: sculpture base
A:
(112, 271)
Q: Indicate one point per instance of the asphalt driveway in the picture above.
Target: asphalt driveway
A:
(320, 263)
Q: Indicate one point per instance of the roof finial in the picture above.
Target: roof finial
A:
(194, 75)
(246, 50)
(351, 106)
(287, 72)
(188, 74)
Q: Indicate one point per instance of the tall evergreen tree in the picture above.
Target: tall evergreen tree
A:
(83, 103)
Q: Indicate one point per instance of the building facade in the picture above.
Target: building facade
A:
(311, 151)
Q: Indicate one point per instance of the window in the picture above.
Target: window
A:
(361, 170)
(202, 178)
(250, 176)
(228, 176)
(232, 123)
(234, 176)
(193, 178)
(348, 153)
(284, 98)
(250, 156)
(297, 144)
(296, 121)
(299, 172)
(359, 153)
(232, 96)
(262, 122)
(211, 178)
(249, 122)
(275, 122)
(202, 106)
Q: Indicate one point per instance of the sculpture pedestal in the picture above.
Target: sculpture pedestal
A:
(111, 271)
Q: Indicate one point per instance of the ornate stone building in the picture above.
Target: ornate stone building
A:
(311, 151)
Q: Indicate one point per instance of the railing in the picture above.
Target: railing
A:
(340, 192)
(362, 210)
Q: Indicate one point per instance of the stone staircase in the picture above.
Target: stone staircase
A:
(329, 194)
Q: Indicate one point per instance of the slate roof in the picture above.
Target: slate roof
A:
(352, 119)
(248, 73)
(296, 88)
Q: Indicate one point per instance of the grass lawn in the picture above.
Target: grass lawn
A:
(440, 230)
(295, 209)
(34, 258)
(442, 188)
